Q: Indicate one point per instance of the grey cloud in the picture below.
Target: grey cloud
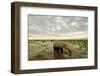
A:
(57, 25)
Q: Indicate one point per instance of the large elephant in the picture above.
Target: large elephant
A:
(59, 47)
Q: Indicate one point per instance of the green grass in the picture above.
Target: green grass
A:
(43, 49)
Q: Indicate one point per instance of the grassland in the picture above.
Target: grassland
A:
(43, 49)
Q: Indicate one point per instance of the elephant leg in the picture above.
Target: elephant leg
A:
(61, 50)
(57, 49)
(58, 53)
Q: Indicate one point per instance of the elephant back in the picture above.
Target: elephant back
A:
(60, 44)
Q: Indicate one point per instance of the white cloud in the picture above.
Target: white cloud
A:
(57, 26)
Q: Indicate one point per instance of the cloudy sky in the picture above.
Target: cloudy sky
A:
(61, 27)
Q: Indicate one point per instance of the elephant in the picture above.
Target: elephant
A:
(59, 47)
